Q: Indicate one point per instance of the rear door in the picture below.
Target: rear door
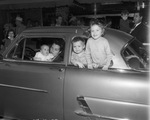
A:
(31, 89)
(114, 94)
(106, 95)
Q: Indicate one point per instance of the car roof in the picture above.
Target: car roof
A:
(54, 29)
(117, 38)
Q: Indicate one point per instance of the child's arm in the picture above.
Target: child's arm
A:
(51, 57)
(109, 56)
(75, 62)
(36, 57)
(105, 67)
(88, 56)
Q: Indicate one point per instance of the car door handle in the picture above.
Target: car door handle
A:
(61, 70)
(84, 114)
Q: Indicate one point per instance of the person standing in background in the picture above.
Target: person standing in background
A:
(124, 21)
(19, 25)
(29, 23)
(140, 30)
(59, 20)
(8, 40)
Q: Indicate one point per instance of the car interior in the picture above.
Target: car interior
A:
(136, 56)
(27, 47)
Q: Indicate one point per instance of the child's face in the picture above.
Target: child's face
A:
(78, 47)
(55, 49)
(59, 20)
(11, 34)
(45, 50)
(96, 32)
(124, 16)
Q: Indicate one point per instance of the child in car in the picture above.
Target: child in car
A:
(78, 57)
(124, 21)
(98, 51)
(44, 54)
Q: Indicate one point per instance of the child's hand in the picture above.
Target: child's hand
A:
(105, 67)
(95, 65)
(80, 65)
(49, 60)
(90, 66)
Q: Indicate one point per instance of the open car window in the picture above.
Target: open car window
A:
(136, 56)
(82, 57)
(27, 48)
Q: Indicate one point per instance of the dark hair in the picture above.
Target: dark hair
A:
(10, 30)
(76, 39)
(96, 22)
(125, 12)
(59, 44)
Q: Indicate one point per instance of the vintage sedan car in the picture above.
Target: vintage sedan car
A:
(40, 90)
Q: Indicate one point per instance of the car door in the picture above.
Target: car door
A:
(119, 93)
(107, 95)
(30, 89)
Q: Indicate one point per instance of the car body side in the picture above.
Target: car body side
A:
(61, 91)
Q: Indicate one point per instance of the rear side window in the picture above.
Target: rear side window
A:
(136, 56)
(28, 48)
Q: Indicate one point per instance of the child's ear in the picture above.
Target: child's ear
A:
(83, 46)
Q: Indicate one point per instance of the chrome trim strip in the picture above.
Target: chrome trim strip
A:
(84, 114)
(23, 88)
(30, 61)
(117, 101)
(83, 104)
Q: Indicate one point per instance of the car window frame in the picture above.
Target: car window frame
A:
(127, 46)
(70, 53)
(21, 37)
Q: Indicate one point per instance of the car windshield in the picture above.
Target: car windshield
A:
(136, 55)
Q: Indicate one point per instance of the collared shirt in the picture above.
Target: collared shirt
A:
(134, 27)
